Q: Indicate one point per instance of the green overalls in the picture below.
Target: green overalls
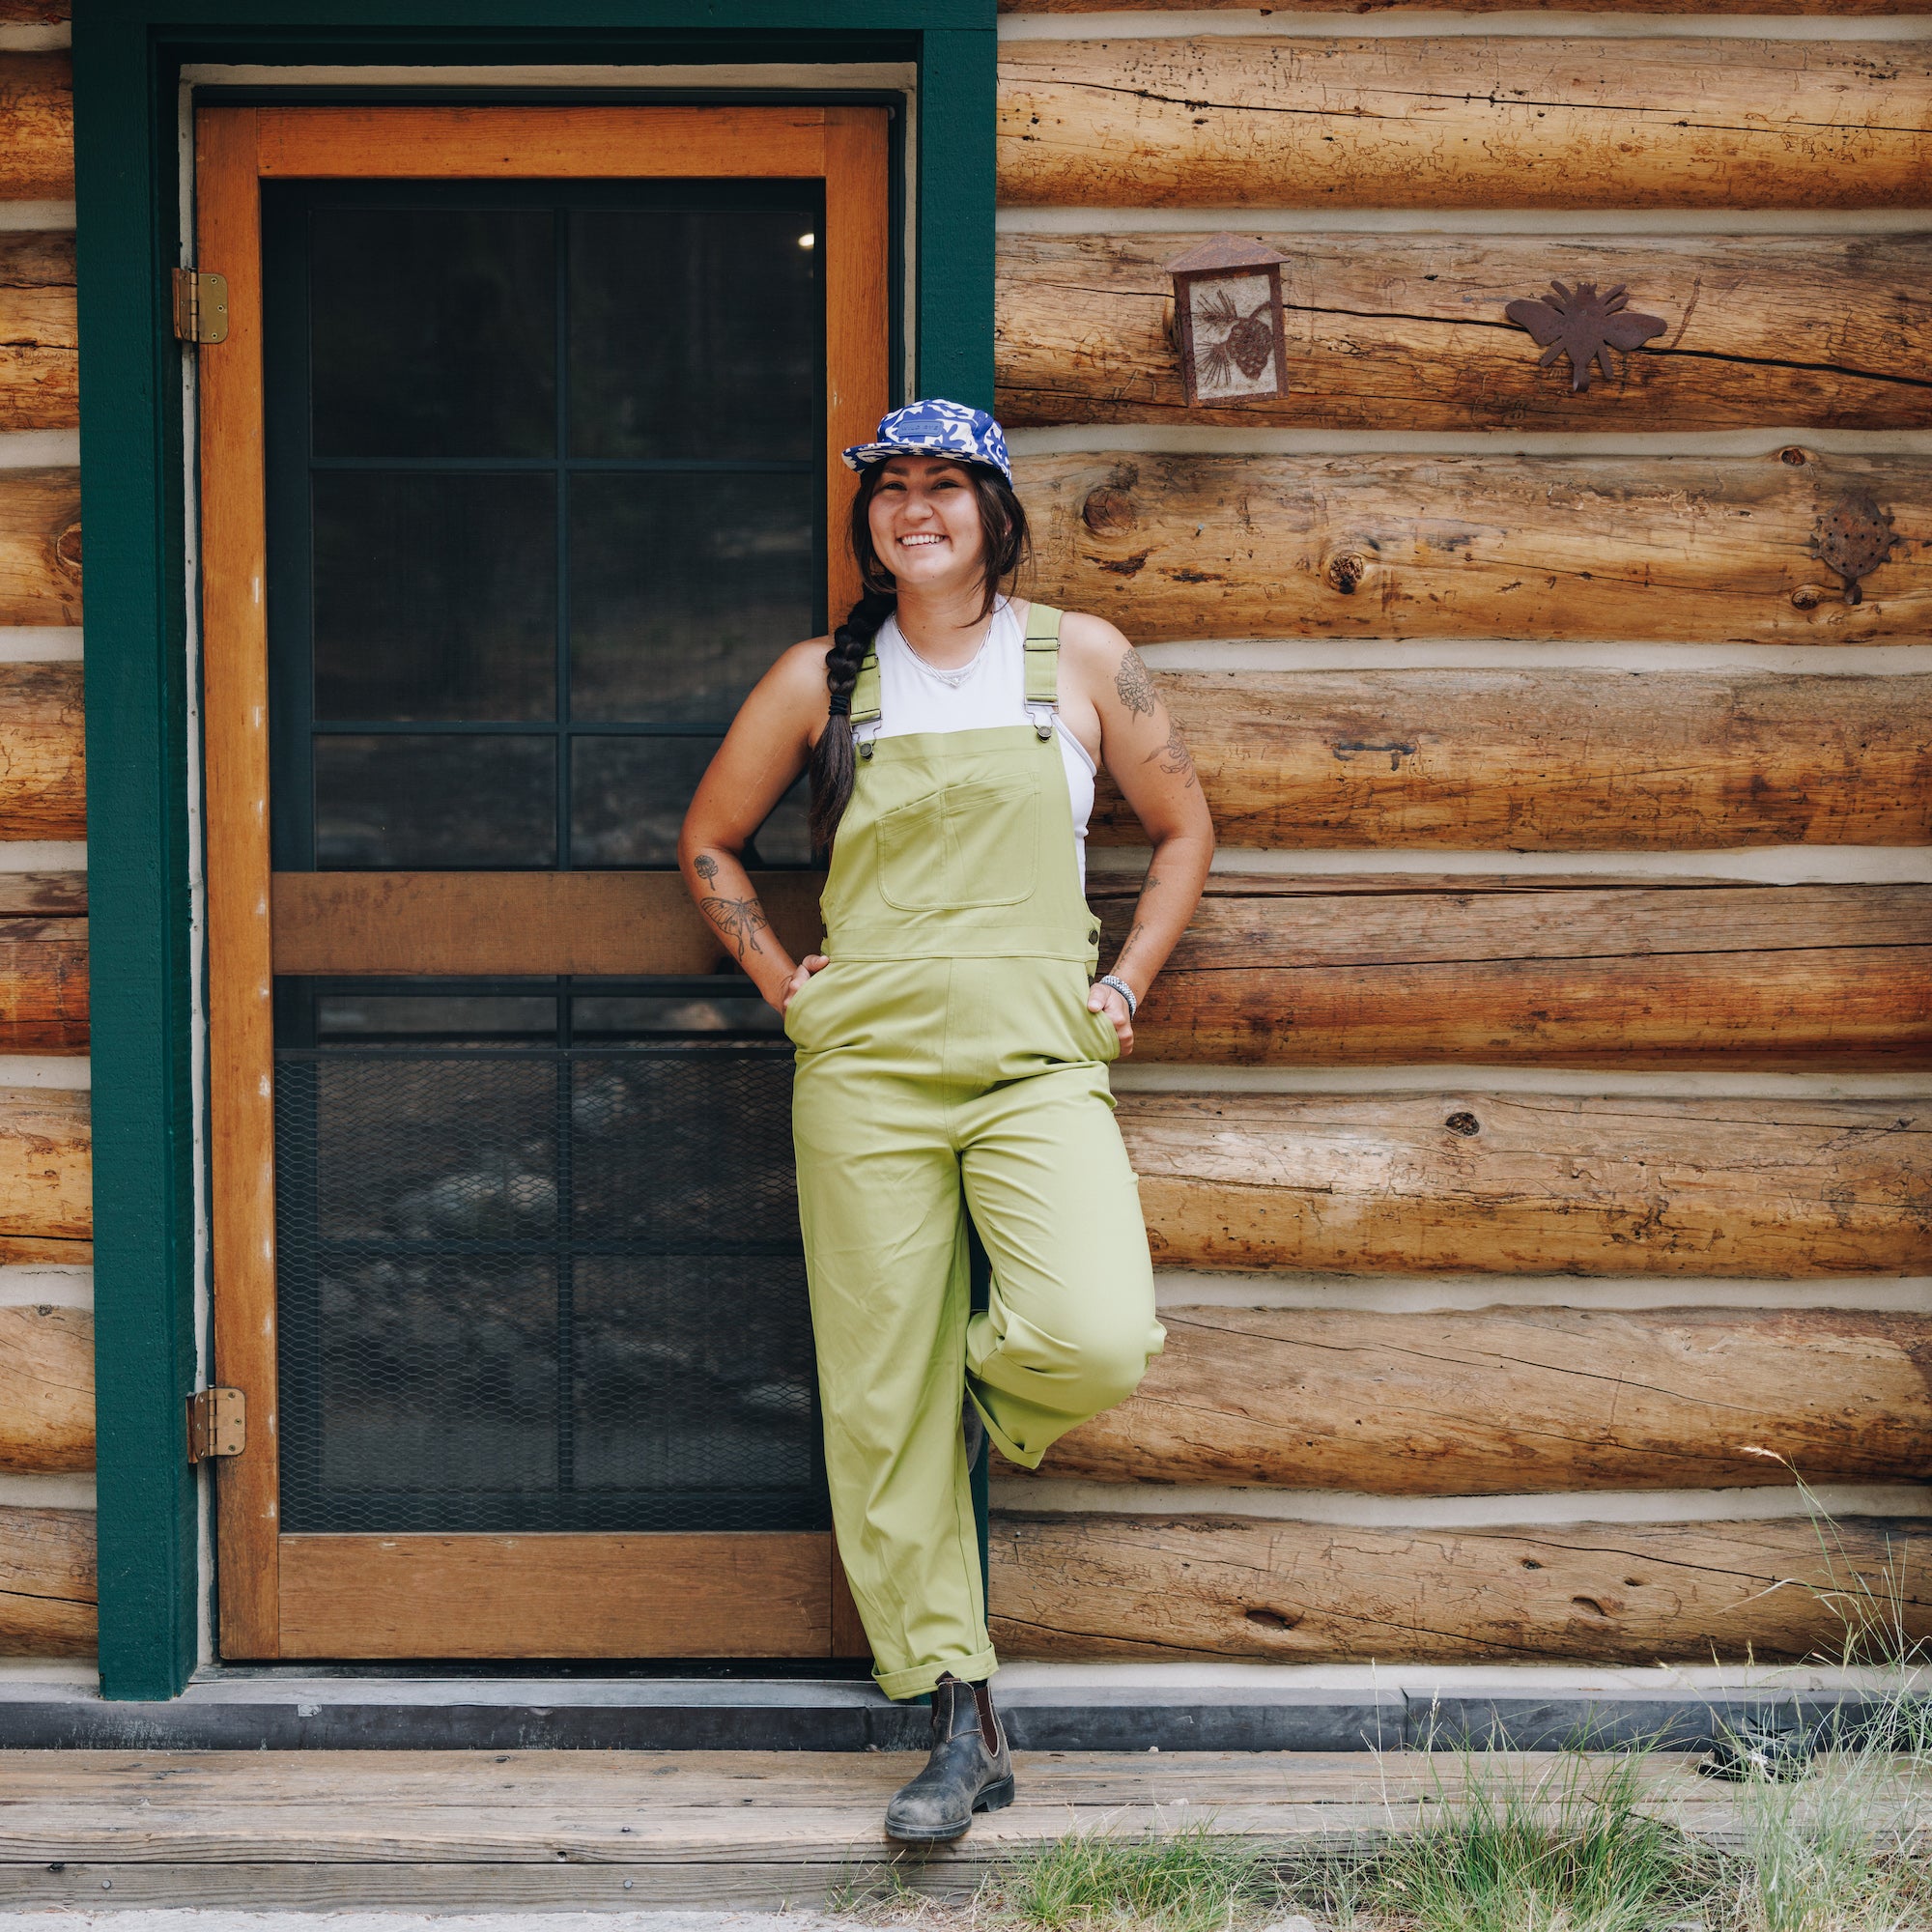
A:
(947, 1052)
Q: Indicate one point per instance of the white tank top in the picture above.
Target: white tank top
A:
(990, 691)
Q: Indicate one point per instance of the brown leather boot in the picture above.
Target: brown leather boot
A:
(970, 1769)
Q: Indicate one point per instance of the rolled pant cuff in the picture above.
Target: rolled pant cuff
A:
(920, 1678)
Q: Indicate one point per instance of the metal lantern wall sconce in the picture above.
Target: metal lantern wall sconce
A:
(1227, 319)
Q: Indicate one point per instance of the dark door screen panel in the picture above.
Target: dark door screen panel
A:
(540, 515)
(538, 1263)
(544, 464)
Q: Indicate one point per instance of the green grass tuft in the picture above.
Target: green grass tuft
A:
(1190, 1880)
(1566, 1850)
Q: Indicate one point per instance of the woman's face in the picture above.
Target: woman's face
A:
(924, 519)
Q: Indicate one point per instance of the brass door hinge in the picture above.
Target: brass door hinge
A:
(218, 1423)
(201, 306)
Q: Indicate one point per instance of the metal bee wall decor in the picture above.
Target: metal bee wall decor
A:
(1585, 326)
(1227, 318)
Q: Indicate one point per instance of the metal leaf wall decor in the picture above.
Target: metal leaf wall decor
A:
(1853, 538)
(1585, 326)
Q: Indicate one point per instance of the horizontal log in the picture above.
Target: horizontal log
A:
(51, 894)
(1550, 760)
(1405, 332)
(46, 1179)
(46, 1389)
(1160, 1588)
(1283, 971)
(1533, 1183)
(1510, 1400)
(39, 546)
(47, 1591)
(1446, 123)
(40, 358)
(1683, 549)
(36, 128)
(42, 751)
(44, 985)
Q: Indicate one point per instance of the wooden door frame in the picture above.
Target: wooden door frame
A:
(482, 1594)
(132, 59)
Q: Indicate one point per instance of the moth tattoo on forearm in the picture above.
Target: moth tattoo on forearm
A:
(1133, 686)
(738, 919)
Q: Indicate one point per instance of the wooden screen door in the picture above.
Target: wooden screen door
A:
(517, 468)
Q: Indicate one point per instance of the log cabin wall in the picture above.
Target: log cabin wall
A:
(1534, 1123)
(46, 1338)
(1532, 1128)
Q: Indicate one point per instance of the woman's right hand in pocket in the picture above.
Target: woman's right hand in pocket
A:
(812, 962)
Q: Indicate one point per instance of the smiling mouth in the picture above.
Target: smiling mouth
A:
(922, 537)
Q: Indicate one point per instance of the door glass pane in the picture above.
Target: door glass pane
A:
(683, 590)
(433, 331)
(694, 335)
(435, 597)
(628, 795)
(402, 802)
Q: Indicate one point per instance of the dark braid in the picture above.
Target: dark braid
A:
(831, 756)
(1003, 523)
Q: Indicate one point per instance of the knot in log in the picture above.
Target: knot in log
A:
(1346, 571)
(1107, 508)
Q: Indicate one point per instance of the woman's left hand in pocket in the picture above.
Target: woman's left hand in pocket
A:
(1107, 1001)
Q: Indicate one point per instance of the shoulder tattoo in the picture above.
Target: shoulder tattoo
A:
(1133, 686)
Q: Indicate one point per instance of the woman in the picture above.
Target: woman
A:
(953, 1045)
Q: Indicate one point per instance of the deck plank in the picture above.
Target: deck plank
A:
(599, 1828)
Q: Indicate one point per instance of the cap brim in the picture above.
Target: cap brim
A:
(863, 455)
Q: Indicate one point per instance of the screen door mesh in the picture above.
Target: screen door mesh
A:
(543, 1287)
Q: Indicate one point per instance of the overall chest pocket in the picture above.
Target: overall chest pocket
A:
(961, 846)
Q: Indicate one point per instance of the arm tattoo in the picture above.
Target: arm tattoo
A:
(1133, 934)
(738, 919)
(1176, 759)
(1133, 685)
(705, 866)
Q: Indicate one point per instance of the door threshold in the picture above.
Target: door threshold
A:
(281, 1708)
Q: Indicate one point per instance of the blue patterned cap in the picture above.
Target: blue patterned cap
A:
(935, 428)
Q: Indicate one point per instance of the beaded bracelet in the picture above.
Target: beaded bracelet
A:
(1126, 991)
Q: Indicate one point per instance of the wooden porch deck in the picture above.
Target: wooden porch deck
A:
(467, 1830)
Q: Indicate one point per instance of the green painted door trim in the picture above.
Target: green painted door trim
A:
(127, 55)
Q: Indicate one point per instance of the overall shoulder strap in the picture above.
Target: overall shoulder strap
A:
(866, 706)
(1041, 691)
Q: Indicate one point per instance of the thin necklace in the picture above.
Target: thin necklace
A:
(954, 678)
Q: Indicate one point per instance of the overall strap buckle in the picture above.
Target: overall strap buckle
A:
(1041, 691)
(868, 711)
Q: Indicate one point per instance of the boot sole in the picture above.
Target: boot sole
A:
(994, 1797)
